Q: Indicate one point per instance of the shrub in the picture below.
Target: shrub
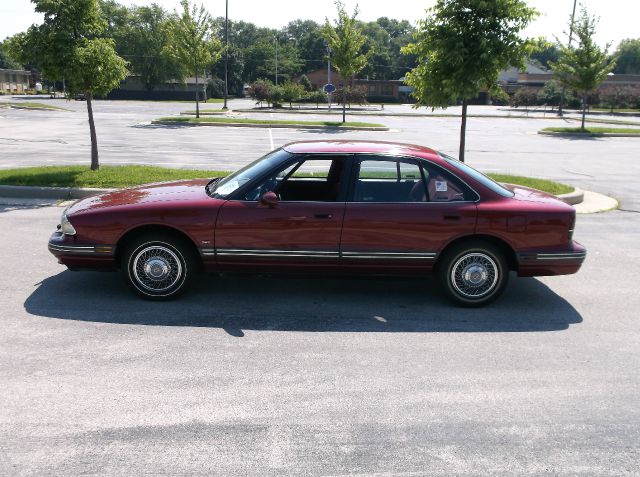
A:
(292, 92)
(305, 82)
(261, 91)
(499, 97)
(620, 97)
(316, 96)
(351, 94)
(524, 97)
(215, 88)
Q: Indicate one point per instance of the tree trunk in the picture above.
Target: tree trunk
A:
(584, 109)
(344, 110)
(95, 165)
(197, 98)
(463, 130)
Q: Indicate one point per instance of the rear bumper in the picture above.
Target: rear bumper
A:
(551, 262)
(81, 255)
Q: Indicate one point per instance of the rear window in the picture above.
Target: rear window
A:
(479, 176)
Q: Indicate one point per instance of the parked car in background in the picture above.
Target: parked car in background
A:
(326, 207)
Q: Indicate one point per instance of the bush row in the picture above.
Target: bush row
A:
(615, 97)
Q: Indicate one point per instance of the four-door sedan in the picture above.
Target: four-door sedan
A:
(316, 207)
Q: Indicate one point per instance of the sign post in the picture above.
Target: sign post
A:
(329, 88)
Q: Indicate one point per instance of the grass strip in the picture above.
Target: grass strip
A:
(125, 176)
(105, 177)
(269, 121)
(32, 105)
(594, 130)
(544, 185)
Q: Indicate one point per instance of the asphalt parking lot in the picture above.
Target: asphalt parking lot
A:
(125, 136)
(278, 376)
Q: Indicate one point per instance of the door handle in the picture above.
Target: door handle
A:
(298, 218)
(323, 216)
(451, 217)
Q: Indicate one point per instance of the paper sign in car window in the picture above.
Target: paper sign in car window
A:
(441, 186)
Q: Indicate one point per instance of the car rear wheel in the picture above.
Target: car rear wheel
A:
(473, 274)
(158, 267)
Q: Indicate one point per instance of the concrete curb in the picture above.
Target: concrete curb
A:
(574, 135)
(273, 126)
(206, 113)
(60, 193)
(572, 198)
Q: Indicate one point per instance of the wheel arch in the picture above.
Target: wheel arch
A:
(157, 229)
(502, 245)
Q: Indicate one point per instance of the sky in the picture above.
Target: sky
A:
(618, 18)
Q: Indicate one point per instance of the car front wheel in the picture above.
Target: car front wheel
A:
(473, 274)
(158, 268)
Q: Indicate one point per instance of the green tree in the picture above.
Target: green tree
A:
(585, 66)
(346, 41)
(6, 61)
(544, 52)
(192, 44)
(68, 45)
(307, 37)
(144, 42)
(462, 46)
(628, 57)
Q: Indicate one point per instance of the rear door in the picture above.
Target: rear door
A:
(400, 212)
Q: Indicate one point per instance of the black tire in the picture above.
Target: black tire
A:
(159, 266)
(473, 274)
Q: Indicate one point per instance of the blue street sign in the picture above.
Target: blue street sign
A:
(329, 88)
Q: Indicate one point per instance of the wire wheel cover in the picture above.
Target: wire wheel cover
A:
(157, 268)
(474, 275)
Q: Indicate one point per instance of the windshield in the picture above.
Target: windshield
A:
(227, 186)
(488, 182)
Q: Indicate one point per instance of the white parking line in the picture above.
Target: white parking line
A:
(271, 139)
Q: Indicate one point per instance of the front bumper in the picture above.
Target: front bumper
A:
(551, 262)
(81, 255)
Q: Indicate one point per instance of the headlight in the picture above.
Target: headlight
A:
(66, 226)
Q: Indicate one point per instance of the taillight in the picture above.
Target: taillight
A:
(572, 226)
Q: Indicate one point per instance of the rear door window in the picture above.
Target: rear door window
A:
(389, 180)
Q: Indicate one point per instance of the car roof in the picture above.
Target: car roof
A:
(350, 146)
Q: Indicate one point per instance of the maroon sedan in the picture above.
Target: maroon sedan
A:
(316, 207)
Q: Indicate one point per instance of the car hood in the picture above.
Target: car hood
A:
(186, 190)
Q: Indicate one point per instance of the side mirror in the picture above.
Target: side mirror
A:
(269, 199)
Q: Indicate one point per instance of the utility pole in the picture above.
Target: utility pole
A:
(573, 14)
(226, 53)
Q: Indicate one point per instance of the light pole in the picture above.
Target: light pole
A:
(226, 53)
(276, 38)
(573, 14)
(328, 77)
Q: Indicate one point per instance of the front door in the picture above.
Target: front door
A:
(300, 229)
